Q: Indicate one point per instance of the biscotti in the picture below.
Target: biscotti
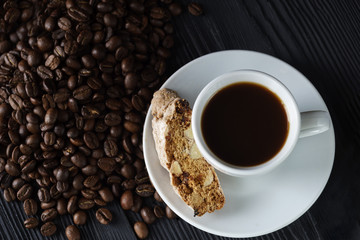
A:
(191, 176)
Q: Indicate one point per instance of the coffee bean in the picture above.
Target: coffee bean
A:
(110, 148)
(24, 192)
(15, 102)
(169, 213)
(78, 182)
(44, 44)
(9, 194)
(128, 171)
(103, 215)
(175, 9)
(17, 182)
(145, 190)
(72, 232)
(43, 195)
(85, 204)
(79, 218)
(31, 223)
(147, 215)
(82, 92)
(48, 229)
(61, 206)
(159, 211)
(91, 140)
(12, 169)
(78, 160)
(106, 194)
(30, 207)
(106, 164)
(141, 230)
(91, 181)
(49, 215)
(52, 62)
(62, 174)
(48, 205)
(142, 177)
(78, 14)
(127, 200)
(72, 205)
(64, 23)
(131, 126)
(195, 9)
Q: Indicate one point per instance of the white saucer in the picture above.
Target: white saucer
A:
(261, 204)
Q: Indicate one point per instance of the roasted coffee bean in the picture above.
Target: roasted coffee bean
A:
(9, 194)
(157, 197)
(169, 213)
(91, 140)
(5, 180)
(44, 44)
(62, 186)
(106, 164)
(128, 171)
(48, 229)
(138, 201)
(159, 211)
(106, 194)
(127, 200)
(15, 102)
(195, 9)
(31, 223)
(103, 215)
(79, 218)
(84, 38)
(30, 207)
(72, 205)
(89, 170)
(82, 92)
(91, 181)
(141, 230)
(52, 62)
(147, 215)
(44, 72)
(28, 167)
(85, 204)
(62, 174)
(17, 183)
(88, 194)
(110, 148)
(78, 14)
(49, 215)
(78, 160)
(61, 206)
(145, 190)
(24, 192)
(72, 233)
(78, 182)
(64, 23)
(175, 9)
(12, 168)
(142, 177)
(43, 195)
(48, 205)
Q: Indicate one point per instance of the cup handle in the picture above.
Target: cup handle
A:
(314, 122)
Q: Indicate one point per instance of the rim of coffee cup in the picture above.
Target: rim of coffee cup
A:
(252, 76)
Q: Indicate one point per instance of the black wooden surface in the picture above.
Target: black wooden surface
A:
(322, 40)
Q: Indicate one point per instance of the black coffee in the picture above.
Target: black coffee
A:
(245, 124)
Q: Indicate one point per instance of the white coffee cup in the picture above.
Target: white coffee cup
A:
(302, 124)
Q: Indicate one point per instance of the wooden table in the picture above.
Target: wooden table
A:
(320, 39)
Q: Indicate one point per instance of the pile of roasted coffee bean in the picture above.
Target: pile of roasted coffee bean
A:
(76, 80)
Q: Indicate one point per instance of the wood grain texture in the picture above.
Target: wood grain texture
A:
(321, 38)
